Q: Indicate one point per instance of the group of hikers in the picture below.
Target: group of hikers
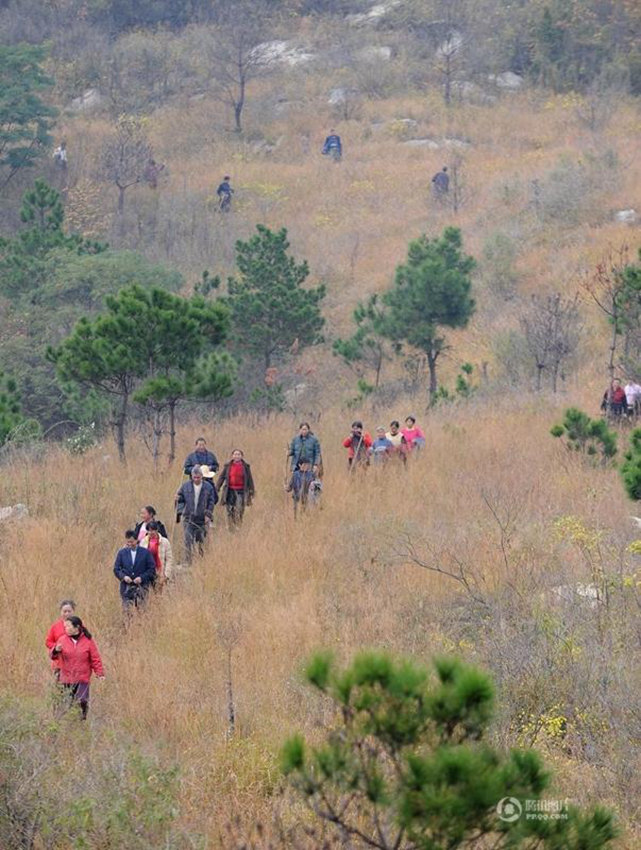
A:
(622, 401)
(146, 562)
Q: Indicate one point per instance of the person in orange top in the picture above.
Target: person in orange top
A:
(57, 630)
(160, 549)
(79, 658)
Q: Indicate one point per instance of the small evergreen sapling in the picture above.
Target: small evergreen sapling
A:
(404, 764)
(590, 437)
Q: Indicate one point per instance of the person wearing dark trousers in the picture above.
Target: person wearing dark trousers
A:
(195, 502)
(136, 570)
(200, 457)
(238, 483)
(147, 515)
(77, 657)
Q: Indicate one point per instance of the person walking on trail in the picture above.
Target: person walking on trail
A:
(160, 549)
(333, 146)
(57, 630)
(147, 515)
(414, 437)
(305, 446)
(304, 486)
(201, 456)
(441, 182)
(358, 445)
(60, 155)
(135, 568)
(632, 392)
(398, 441)
(224, 192)
(614, 400)
(195, 502)
(77, 655)
(236, 486)
(152, 172)
(382, 448)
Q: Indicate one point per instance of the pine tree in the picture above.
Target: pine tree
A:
(367, 346)
(151, 347)
(431, 291)
(404, 764)
(270, 308)
(25, 118)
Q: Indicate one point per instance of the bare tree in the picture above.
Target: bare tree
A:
(607, 286)
(552, 330)
(239, 55)
(124, 156)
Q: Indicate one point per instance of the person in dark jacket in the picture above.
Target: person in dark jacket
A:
(224, 192)
(147, 515)
(195, 502)
(333, 146)
(305, 446)
(135, 568)
(441, 182)
(305, 486)
(238, 483)
(200, 457)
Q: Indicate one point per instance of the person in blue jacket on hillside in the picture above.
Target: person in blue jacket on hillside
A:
(201, 457)
(135, 568)
(305, 446)
(333, 146)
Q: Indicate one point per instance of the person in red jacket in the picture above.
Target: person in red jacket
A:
(236, 486)
(358, 445)
(79, 658)
(67, 609)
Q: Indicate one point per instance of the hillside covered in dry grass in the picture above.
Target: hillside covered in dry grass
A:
(481, 548)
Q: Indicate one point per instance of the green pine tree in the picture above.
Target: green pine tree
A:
(150, 347)
(590, 437)
(404, 764)
(25, 117)
(367, 346)
(431, 291)
(270, 309)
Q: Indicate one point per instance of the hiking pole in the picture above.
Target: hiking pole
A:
(358, 448)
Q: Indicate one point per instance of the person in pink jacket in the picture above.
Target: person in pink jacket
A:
(79, 658)
(414, 437)
(57, 630)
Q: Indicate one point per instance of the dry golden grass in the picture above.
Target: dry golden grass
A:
(329, 579)
(285, 587)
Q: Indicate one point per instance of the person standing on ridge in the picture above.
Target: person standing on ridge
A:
(333, 146)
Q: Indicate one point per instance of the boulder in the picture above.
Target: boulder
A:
(281, 52)
(375, 53)
(422, 143)
(18, 511)
(626, 216)
(339, 96)
(572, 593)
(91, 99)
(508, 81)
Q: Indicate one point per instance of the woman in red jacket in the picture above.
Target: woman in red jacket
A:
(67, 609)
(79, 658)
